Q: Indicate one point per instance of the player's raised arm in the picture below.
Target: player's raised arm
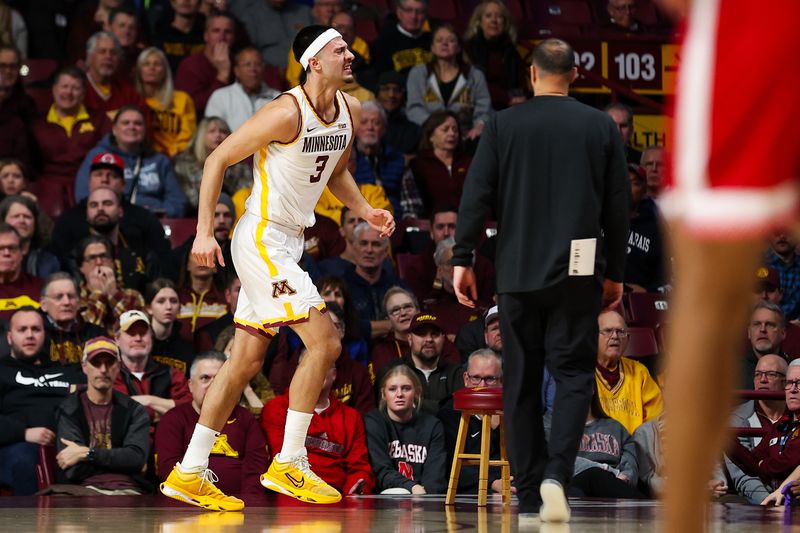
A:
(277, 121)
(344, 187)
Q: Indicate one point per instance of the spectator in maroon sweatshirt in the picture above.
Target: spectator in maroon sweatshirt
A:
(202, 73)
(239, 455)
(106, 93)
(66, 134)
(17, 287)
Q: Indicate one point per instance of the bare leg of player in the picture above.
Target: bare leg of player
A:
(190, 480)
(247, 358)
(713, 280)
(290, 472)
(321, 339)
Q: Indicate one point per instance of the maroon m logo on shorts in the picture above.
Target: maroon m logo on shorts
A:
(282, 287)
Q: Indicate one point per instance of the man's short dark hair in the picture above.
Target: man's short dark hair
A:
(620, 107)
(93, 239)
(8, 228)
(72, 72)
(220, 14)
(554, 56)
(305, 37)
(210, 355)
(124, 9)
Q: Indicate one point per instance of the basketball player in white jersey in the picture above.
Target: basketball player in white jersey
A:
(301, 143)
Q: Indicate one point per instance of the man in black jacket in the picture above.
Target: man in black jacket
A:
(141, 230)
(554, 171)
(103, 436)
(31, 387)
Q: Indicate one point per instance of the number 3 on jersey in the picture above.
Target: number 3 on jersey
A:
(321, 162)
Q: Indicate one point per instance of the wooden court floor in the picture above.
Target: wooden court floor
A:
(419, 514)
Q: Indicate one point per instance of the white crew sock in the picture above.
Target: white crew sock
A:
(196, 457)
(294, 435)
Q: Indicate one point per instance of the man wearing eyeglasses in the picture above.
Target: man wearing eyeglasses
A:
(778, 453)
(484, 369)
(17, 287)
(627, 392)
(769, 375)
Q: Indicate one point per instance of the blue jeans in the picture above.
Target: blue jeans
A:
(18, 467)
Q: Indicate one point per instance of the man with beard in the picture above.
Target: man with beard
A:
(369, 281)
(103, 437)
(31, 387)
(783, 258)
(766, 332)
(103, 212)
(141, 229)
(440, 379)
(65, 330)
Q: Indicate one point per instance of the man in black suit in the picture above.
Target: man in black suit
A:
(554, 171)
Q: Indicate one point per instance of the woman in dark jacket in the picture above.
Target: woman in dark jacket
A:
(441, 165)
(406, 447)
(491, 46)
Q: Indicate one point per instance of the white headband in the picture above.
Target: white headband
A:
(317, 45)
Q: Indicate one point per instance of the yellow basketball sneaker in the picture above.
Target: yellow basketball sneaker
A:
(199, 489)
(296, 479)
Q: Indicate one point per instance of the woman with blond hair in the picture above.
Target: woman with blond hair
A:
(491, 46)
(406, 446)
(173, 116)
(211, 131)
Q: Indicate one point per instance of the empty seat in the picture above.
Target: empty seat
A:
(178, 230)
(642, 342)
(646, 309)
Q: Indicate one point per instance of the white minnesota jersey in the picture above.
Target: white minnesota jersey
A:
(290, 177)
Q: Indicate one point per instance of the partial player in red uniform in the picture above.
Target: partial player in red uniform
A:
(734, 178)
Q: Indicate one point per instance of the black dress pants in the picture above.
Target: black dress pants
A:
(557, 327)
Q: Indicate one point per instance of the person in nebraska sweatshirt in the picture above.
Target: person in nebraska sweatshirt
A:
(606, 464)
(406, 447)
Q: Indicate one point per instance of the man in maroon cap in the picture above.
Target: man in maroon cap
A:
(768, 285)
(440, 379)
(768, 288)
(102, 435)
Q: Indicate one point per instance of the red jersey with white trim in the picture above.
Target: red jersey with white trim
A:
(736, 163)
(289, 178)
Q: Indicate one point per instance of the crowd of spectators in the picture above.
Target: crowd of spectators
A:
(111, 334)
